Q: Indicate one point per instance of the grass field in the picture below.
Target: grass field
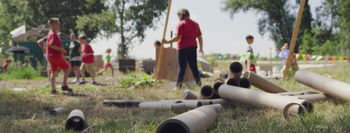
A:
(27, 111)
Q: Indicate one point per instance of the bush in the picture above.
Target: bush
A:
(138, 82)
(19, 73)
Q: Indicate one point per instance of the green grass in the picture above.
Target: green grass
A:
(26, 111)
(23, 73)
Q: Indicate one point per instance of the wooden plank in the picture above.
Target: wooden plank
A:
(159, 60)
(294, 38)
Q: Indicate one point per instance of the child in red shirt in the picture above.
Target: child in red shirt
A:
(87, 55)
(7, 63)
(55, 51)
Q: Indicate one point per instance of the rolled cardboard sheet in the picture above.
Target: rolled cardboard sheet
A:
(216, 86)
(331, 87)
(304, 92)
(313, 97)
(233, 82)
(123, 103)
(235, 70)
(193, 121)
(76, 121)
(179, 108)
(207, 92)
(57, 111)
(188, 94)
(244, 83)
(262, 83)
(159, 105)
(253, 97)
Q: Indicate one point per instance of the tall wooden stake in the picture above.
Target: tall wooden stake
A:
(160, 56)
(294, 38)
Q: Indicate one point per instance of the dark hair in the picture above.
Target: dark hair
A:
(183, 13)
(82, 36)
(53, 20)
(249, 37)
(157, 43)
(8, 61)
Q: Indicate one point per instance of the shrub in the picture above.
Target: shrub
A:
(19, 73)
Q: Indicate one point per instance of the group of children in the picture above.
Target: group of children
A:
(81, 57)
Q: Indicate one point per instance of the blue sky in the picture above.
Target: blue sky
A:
(221, 32)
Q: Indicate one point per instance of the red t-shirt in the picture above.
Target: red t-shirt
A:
(5, 66)
(87, 49)
(53, 39)
(189, 30)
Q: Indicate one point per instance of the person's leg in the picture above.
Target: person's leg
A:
(53, 82)
(192, 61)
(65, 76)
(182, 62)
(90, 70)
(112, 71)
(82, 72)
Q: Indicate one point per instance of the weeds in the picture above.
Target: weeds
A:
(20, 73)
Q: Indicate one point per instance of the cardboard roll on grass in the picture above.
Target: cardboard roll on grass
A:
(123, 103)
(235, 70)
(262, 83)
(233, 82)
(193, 121)
(57, 111)
(207, 92)
(305, 92)
(188, 94)
(76, 121)
(331, 87)
(253, 97)
(244, 82)
(159, 105)
(216, 88)
(313, 97)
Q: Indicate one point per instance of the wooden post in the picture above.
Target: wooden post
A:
(294, 38)
(160, 56)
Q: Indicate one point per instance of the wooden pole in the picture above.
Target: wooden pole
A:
(294, 38)
(160, 56)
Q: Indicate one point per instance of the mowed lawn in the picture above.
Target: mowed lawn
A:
(27, 111)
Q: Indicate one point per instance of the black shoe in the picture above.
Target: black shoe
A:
(55, 92)
(82, 82)
(66, 88)
(199, 83)
(94, 82)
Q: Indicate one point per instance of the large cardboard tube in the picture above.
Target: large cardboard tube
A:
(305, 92)
(188, 94)
(123, 103)
(76, 121)
(233, 82)
(262, 83)
(331, 87)
(313, 97)
(193, 121)
(235, 70)
(253, 97)
(207, 92)
(159, 105)
(244, 83)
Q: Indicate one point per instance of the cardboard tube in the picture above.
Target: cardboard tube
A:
(207, 92)
(313, 97)
(262, 83)
(305, 92)
(188, 94)
(233, 82)
(123, 103)
(179, 108)
(159, 105)
(253, 97)
(57, 111)
(244, 83)
(76, 121)
(331, 87)
(193, 121)
(235, 70)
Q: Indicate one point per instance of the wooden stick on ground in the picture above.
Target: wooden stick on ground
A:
(294, 38)
(160, 56)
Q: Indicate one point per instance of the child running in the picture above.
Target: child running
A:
(87, 55)
(108, 63)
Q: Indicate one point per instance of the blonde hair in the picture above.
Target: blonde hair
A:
(285, 46)
(53, 20)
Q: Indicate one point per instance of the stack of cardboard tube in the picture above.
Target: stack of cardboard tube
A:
(199, 110)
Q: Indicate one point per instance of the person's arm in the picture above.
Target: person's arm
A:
(176, 38)
(200, 40)
(61, 49)
(41, 45)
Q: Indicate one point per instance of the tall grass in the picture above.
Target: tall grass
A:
(19, 73)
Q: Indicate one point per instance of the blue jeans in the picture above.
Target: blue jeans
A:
(187, 55)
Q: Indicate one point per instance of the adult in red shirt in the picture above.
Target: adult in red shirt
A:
(54, 51)
(188, 32)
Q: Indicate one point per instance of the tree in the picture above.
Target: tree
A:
(276, 17)
(306, 24)
(128, 18)
(36, 13)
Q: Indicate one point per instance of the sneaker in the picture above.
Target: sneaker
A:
(66, 88)
(82, 82)
(55, 92)
(47, 84)
(94, 82)
(76, 81)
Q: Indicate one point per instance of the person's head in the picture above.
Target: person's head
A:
(82, 39)
(285, 46)
(157, 43)
(250, 39)
(109, 50)
(54, 24)
(72, 37)
(8, 61)
(183, 14)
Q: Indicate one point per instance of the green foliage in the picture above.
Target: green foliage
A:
(128, 18)
(138, 82)
(19, 73)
